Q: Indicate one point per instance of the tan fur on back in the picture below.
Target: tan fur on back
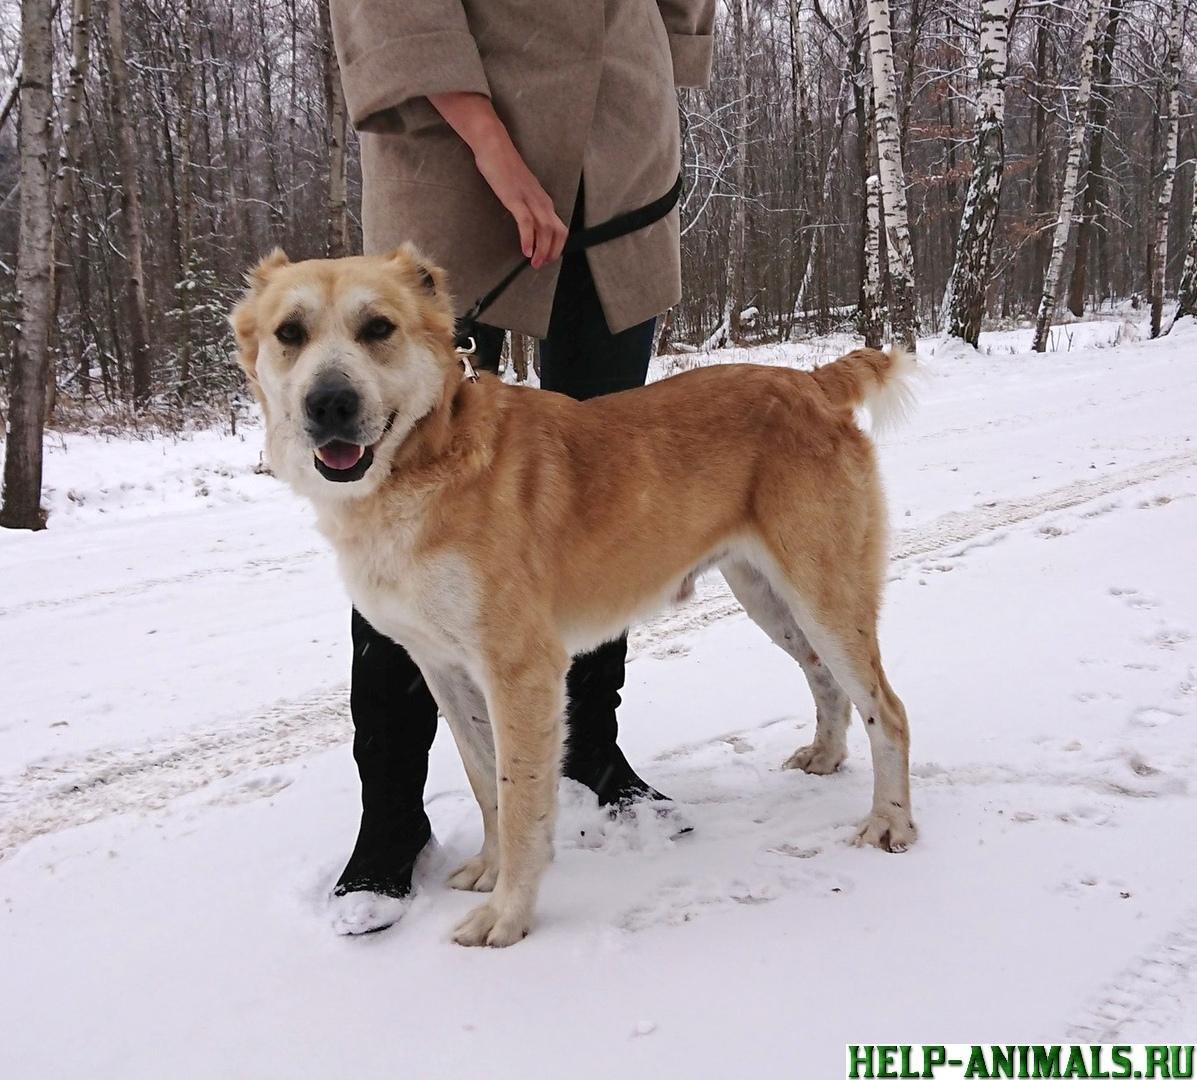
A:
(504, 529)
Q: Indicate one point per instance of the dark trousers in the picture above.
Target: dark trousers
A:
(394, 715)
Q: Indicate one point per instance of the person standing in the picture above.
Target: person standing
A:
(485, 125)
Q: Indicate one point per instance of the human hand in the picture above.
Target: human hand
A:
(472, 116)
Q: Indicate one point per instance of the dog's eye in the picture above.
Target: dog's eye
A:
(291, 333)
(377, 329)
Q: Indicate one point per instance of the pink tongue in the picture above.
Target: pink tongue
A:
(340, 455)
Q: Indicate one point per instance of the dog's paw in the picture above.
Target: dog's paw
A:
(892, 830)
(816, 759)
(478, 874)
(487, 925)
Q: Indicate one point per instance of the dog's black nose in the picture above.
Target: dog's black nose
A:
(332, 406)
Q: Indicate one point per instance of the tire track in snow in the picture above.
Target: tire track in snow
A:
(1147, 997)
(950, 530)
(137, 588)
(57, 794)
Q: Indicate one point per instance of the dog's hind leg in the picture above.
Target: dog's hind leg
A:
(833, 709)
(829, 570)
(526, 697)
(844, 634)
(464, 707)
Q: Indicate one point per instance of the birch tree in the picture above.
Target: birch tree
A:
(1159, 246)
(776, 153)
(892, 175)
(872, 327)
(21, 507)
(1076, 144)
(964, 298)
(10, 97)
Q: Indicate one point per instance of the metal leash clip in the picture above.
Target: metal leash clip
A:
(464, 352)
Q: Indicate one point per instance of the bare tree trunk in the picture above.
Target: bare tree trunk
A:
(893, 177)
(139, 326)
(662, 334)
(204, 115)
(338, 131)
(21, 507)
(66, 186)
(1159, 247)
(917, 17)
(739, 235)
(1043, 147)
(872, 326)
(167, 172)
(1094, 183)
(186, 205)
(1187, 292)
(10, 98)
(815, 259)
(865, 109)
(804, 144)
(728, 329)
(222, 90)
(1076, 144)
(964, 298)
(292, 118)
(278, 220)
(519, 356)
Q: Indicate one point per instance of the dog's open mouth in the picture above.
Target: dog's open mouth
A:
(341, 461)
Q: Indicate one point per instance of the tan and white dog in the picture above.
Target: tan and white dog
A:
(495, 531)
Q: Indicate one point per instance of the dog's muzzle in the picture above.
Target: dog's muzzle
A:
(333, 418)
(342, 461)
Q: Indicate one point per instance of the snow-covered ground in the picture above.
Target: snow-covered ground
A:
(177, 792)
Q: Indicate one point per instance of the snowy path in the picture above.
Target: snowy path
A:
(62, 793)
(176, 795)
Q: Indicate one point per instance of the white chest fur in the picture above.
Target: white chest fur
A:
(428, 602)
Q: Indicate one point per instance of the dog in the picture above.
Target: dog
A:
(484, 528)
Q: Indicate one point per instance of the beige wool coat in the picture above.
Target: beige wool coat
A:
(586, 89)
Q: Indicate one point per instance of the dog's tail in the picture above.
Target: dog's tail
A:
(872, 379)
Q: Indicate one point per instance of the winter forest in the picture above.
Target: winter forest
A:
(899, 168)
(195, 714)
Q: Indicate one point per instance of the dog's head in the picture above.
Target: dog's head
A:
(345, 356)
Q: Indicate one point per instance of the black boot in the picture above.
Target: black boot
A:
(394, 721)
(385, 854)
(592, 756)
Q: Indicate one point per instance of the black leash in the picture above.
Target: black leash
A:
(579, 240)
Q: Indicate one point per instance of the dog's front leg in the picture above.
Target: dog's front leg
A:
(464, 706)
(526, 704)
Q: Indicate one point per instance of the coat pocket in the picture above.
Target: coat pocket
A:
(429, 153)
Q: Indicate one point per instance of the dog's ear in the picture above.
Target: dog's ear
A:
(244, 321)
(244, 317)
(429, 277)
(257, 277)
(428, 284)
